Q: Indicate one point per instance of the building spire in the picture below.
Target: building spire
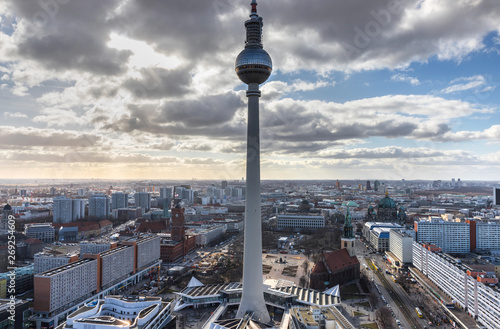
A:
(348, 231)
(254, 7)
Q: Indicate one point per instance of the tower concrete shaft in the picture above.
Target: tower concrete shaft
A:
(252, 299)
(253, 66)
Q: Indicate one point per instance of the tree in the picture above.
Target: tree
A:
(305, 266)
(302, 281)
(383, 316)
(373, 298)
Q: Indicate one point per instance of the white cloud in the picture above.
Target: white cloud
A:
(470, 83)
(14, 115)
(404, 78)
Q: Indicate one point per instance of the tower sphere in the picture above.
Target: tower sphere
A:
(253, 65)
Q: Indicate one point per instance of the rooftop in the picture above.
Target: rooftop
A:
(60, 269)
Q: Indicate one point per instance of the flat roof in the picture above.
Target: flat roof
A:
(112, 251)
(65, 267)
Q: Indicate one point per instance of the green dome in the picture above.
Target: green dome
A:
(387, 203)
(351, 204)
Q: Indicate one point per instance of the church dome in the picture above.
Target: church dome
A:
(387, 203)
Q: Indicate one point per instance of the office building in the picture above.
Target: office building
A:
(99, 206)
(401, 245)
(300, 221)
(44, 232)
(377, 234)
(45, 261)
(119, 200)
(118, 312)
(451, 237)
(496, 196)
(166, 193)
(143, 200)
(472, 289)
(23, 281)
(21, 313)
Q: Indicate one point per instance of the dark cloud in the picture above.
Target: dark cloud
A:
(69, 35)
(25, 138)
(191, 28)
(160, 83)
(205, 111)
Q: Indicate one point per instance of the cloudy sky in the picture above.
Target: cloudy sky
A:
(363, 89)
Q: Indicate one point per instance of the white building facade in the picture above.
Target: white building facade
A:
(480, 300)
(298, 221)
(401, 245)
(451, 237)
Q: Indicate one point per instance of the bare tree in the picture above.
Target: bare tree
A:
(305, 266)
(373, 298)
(302, 281)
(383, 316)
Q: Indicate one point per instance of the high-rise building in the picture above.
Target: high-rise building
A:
(99, 206)
(78, 211)
(496, 196)
(253, 66)
(45, 261)
(401, 245)
(62, 210)
(451, 237)
(166, 193)
(143, 200)
(368, 185)
(119, 200)
(468, 286)
(66, 210)
(59, 287)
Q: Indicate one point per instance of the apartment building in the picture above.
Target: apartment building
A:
(474, 290)
(451, 237)
(63, 286)
(45, 261)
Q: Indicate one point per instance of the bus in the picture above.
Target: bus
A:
(419, 312)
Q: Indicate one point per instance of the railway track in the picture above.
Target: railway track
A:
(407, 313)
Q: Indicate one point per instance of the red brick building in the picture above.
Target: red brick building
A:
(334, 267)
(180, 244)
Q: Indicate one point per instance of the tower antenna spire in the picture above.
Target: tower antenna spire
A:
(254, 6)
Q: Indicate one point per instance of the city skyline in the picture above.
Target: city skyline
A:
(141, 90)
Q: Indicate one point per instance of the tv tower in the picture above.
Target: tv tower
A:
(253, 66)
